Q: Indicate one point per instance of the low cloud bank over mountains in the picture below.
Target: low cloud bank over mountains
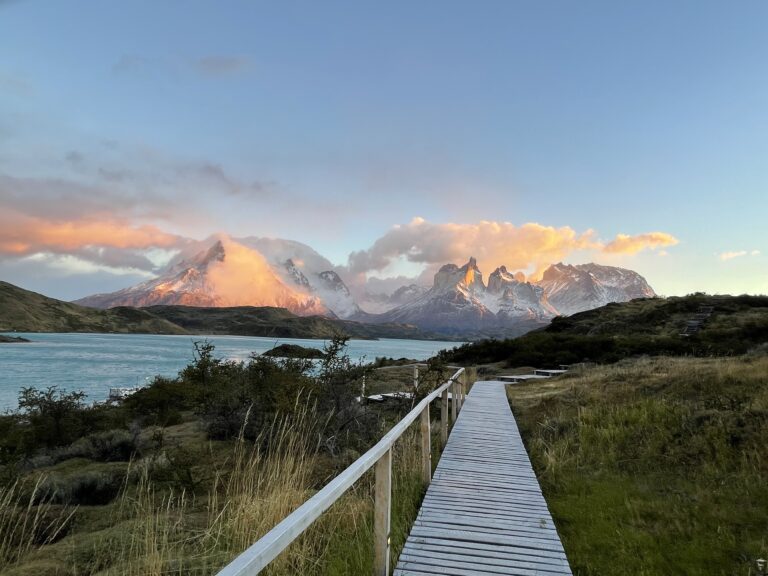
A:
(223, 271)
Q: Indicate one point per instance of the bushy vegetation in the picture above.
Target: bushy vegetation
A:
(641, 327)
(654, 466)
(184, 474)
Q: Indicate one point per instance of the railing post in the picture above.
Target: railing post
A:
(426, 446)
(415, 377)
(381, 517)
(444, 417)
(454, 399)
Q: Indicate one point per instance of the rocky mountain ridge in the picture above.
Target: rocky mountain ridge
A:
(225, 272)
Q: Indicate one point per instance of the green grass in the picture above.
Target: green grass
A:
(654, 466)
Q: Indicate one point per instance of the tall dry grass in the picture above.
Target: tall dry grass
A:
(28, 520)
(155, 527)
(164, 533)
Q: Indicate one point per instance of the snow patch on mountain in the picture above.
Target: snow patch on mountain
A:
(571, 289)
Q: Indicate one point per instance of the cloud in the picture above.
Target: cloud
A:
(111, 243)
(75, 159)
(724, 256)
(492, 243)
(220, 65)
(209, 175)
(530, 246)
(731, 255)
(70, 264)
(59, 198)
(625, 244)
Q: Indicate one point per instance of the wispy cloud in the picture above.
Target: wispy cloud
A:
(220, 65)
(625, 244)
(212, 176)
(109, 242)
(725, 256)
(75, 159)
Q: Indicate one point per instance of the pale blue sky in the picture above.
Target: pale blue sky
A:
(330, 122)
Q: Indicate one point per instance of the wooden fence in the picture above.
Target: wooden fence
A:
(261, 553)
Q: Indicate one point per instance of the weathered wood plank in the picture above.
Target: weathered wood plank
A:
(488, 554)
(382, 514)
(484, 513)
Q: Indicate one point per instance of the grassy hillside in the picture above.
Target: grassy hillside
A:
(641, 327)
(654, 466)
(25, 311)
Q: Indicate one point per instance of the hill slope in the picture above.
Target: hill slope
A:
(25, 311)
(644, 326)
(653, 465)
(279, 322)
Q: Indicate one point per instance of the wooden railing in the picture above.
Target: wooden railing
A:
(261, 553)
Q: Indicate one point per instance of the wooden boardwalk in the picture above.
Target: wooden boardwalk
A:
(484, 512)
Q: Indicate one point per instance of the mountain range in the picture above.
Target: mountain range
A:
(25, 311)
(227, 272)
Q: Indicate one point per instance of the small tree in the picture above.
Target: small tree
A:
(338, 384)
(55, 416)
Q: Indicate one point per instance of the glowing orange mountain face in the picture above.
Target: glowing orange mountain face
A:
(226, 274)
(469, 277)
(245, 278)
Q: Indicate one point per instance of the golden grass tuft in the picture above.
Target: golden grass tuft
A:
(28, 520)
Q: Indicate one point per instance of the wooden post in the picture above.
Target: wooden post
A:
(362, 390)
(454, 399)
(381, 515)
(415, 378)
(426, 446)
(444, 417)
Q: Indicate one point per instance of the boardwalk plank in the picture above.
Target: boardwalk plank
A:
(484, 513)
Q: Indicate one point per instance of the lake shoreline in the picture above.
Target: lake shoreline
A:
(96, 362)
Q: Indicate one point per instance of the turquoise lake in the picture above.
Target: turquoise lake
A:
(94, 363)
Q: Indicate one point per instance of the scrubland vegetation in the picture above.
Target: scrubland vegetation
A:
(654, 466)
(642, 327)
(185, 474)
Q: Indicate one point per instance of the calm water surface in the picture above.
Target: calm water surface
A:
(94, 363)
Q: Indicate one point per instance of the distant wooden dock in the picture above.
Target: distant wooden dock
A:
(484, 512)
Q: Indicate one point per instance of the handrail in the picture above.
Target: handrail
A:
(263, 551)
